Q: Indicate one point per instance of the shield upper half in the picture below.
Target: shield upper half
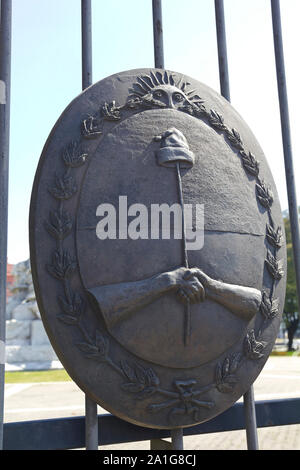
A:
(161, 326)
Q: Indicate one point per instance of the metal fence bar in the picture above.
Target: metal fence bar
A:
(249, 403)
(177, 439)
(250, 419)
(176, 434)
(69, 433)
(86, 42)
(5, 66)
(91, 417)
(91, 424)
(222, 49)
(158, 34)
(286, 138)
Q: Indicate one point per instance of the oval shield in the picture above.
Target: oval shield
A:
(157, 248)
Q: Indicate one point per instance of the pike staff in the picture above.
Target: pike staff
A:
(174, 152)
(187, 321)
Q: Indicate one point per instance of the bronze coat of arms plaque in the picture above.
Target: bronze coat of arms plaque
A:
(157, 248)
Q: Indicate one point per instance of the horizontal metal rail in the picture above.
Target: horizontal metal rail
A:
(69, 433)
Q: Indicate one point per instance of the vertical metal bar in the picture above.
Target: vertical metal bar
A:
(249, 403)
(176, 434)
(5, 66)
(158, 34)
(91, 424)
(177, 439)
(250, 419)
(222, 49)
(91, 416)
(286, 138)
(86, 42)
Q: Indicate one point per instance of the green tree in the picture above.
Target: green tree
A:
(291, 308)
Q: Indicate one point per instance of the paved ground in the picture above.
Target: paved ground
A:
(280, 378)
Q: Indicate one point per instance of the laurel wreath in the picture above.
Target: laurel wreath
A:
(143, 382)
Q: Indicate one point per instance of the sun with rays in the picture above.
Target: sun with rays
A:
(161, 90)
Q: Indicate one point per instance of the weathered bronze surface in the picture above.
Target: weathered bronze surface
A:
(161, 330)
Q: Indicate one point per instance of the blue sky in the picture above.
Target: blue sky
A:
(46, 73)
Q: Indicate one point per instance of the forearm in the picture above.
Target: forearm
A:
(241, 301)
(135, 294)
(116, 301)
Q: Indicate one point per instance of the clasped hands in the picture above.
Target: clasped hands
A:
(190, 284)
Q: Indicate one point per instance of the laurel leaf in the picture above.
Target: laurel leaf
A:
(146, 392)
(264, 194)
(269, 307)
(68, 308)
(274, 236)
(152, 378)
(111, 112)
(90, 127)
(236, 135)
(247, 345)
(218, 374)
(51, 270)
(132, 387)
(250, 163)
(225, 387)
(68, 319)
(253, 348)
(231, 379)
(64, 188)
(101, 343)
(128, 371)
(73, 156)
(140, 373)
(235, 138)
(235, 361)
(216, 120)
(60, 224)
(225, 367)
(275, 267)
(88, 348)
